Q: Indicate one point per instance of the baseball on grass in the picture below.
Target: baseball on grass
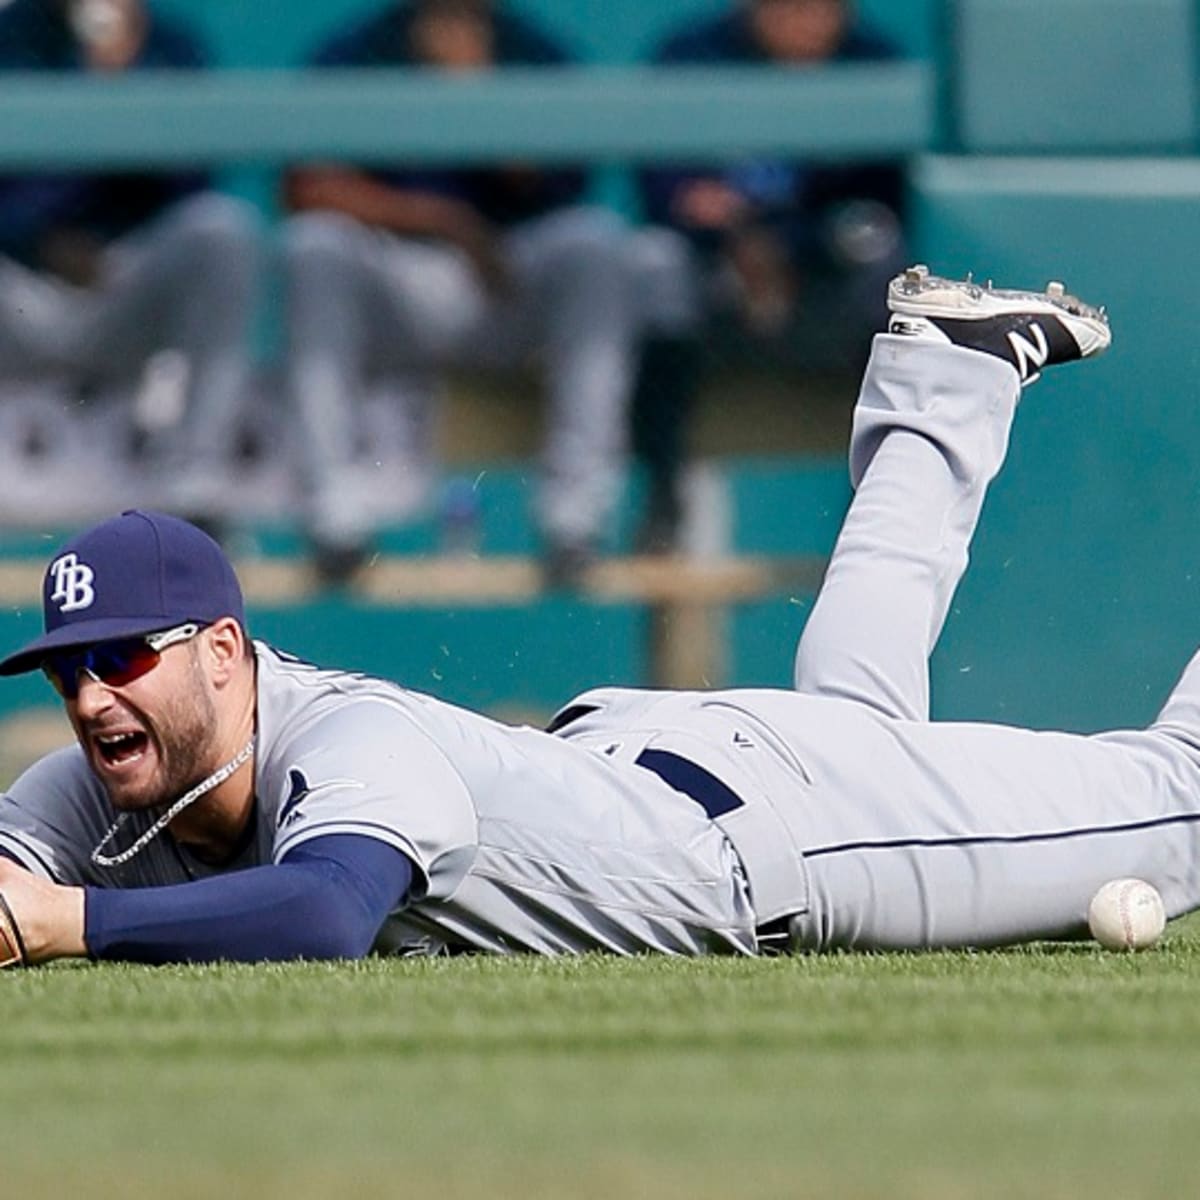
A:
(1127, 914)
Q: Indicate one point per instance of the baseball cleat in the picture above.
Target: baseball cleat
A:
(1030, 330)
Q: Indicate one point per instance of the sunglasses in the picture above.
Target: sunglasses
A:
(114, 663)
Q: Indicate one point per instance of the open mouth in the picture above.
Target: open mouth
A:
(116, 749)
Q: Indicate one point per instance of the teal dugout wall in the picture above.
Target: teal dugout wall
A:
(1068, 76)
(1082, 603)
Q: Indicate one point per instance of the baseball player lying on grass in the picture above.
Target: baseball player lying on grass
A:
(227, 801)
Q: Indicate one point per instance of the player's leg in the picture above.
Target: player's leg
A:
(924, 834)
(667, 290)
(360, 300)
(579, 314)
(326, 261)
(930, 432)
(39, 368)
(38, 319)
(218, 255)
(1180, 715)
(189, 284)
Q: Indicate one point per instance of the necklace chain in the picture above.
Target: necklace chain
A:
(203, 788)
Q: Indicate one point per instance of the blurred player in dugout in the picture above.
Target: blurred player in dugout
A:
(790, 257)
(399, 273)
(103, 272)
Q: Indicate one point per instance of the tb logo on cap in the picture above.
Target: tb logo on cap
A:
(72, 584)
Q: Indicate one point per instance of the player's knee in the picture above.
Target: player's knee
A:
(319, 238)
(665, 280)
(589, 238)
(593, 247)
(220, 224)
(592, 265)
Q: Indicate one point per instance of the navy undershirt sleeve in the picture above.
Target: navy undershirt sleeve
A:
(326, 899)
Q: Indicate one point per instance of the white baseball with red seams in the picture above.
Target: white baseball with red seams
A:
(1127, 914)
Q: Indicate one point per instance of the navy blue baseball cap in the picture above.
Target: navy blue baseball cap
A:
(137, 573)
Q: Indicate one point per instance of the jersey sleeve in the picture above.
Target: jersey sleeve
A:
(51, 818)
(328, 900)
(368, 770)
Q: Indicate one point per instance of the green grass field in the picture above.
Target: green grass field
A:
(1058, 1071)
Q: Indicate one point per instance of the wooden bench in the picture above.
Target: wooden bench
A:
(686, 597)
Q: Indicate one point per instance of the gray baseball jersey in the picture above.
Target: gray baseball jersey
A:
(521, 840)
(690, 822)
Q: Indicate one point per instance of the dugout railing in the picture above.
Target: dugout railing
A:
(577, 114)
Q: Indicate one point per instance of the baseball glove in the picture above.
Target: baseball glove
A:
(12, 945)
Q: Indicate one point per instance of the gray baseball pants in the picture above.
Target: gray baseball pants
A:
(919, 833)
(187, 282)
(364, 303)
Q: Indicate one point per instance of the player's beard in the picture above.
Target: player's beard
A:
(184, 734)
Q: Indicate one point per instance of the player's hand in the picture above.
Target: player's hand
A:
(709, 204)
(74, 255)
(48, 917)
(768, 286)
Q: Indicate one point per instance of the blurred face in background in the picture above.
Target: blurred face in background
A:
(798, 30)
(455, 35)
(99, 20)
(110, 32)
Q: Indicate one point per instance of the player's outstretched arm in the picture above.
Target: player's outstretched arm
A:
(327, 899)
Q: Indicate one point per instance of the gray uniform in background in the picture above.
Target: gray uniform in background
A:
(688, 822)
(364, 303)
(186, 283)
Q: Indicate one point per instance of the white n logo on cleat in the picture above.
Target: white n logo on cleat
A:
(1030, 354)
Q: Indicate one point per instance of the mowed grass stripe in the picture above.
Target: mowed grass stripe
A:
(1076, 993)
(465, 1125)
